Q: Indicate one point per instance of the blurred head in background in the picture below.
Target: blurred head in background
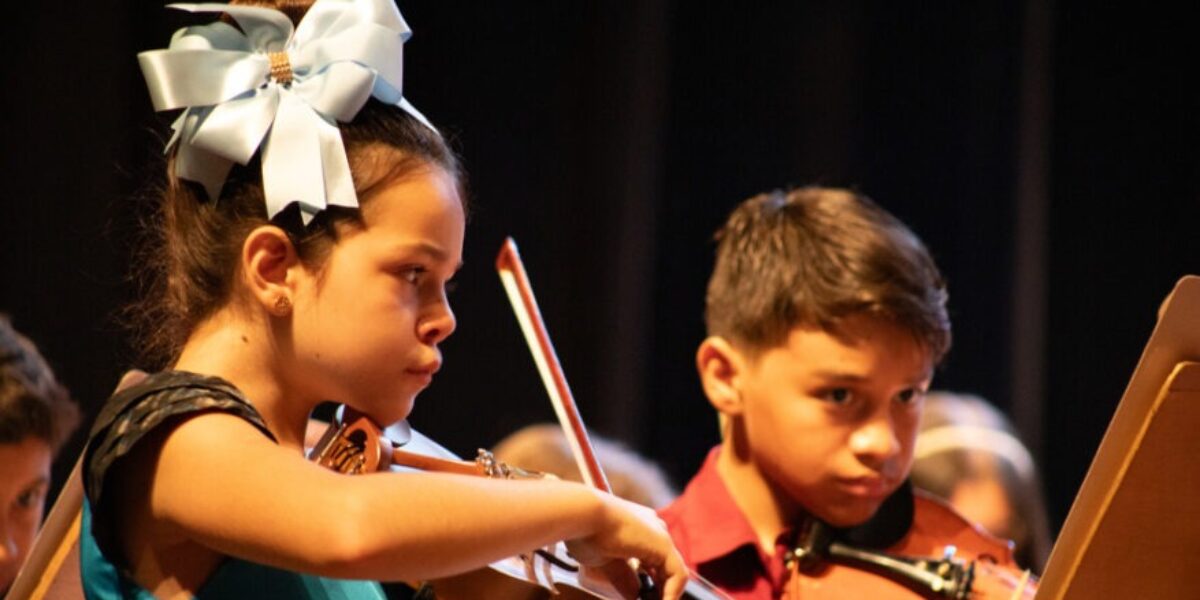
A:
(968, 453)
(36, 417)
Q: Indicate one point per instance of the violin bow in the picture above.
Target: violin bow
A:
(520, 294)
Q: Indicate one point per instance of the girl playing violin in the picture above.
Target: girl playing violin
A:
(310, 222)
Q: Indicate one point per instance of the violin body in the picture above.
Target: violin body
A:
(993, 574)
(507, 579)
(353, 444)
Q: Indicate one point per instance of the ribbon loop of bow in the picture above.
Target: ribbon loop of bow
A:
(341, 54)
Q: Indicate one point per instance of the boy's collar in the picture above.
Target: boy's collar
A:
(713, 524)
(709, 513)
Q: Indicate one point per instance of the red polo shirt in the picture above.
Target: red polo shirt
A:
(717, 541)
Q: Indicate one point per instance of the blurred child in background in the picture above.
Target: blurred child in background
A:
(968, 453)
(36, 417)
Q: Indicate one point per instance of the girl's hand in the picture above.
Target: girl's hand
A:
(627, 530)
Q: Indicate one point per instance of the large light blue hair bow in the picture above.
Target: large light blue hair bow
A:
(280, 87)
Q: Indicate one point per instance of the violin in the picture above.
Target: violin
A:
(354, 444)
(948, 576)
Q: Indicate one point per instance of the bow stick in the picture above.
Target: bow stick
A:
(520, 294)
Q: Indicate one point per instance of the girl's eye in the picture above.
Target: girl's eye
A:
(838, 395)
(412, 274)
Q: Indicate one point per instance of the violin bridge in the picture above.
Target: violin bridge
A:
(490, 467)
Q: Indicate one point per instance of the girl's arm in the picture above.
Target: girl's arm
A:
(221, 483)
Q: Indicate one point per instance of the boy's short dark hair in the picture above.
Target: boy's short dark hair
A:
(812, 256)
(32, 402)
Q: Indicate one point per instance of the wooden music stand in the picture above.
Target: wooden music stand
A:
(1134, 529)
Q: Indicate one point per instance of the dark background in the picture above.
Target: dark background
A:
(1046, 152)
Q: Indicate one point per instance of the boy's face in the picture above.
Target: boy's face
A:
(830, 420)
(24, 481)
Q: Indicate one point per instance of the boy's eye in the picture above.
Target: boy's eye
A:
(29, 498)
(910, 396)
(838, 395)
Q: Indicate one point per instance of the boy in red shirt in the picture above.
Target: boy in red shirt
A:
(826, 317)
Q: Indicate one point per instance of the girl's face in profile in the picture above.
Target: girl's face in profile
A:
(367, 327)
(24, 480)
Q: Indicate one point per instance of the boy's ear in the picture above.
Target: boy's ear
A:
(721, 366)
(268, 258)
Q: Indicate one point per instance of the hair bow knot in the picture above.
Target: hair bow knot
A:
(268, 84)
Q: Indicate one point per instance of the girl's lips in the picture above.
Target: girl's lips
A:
(428, 368)
(424, 373)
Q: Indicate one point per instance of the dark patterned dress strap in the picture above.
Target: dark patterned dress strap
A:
(132, 413)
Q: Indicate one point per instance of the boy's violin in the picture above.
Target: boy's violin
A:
(945, 577)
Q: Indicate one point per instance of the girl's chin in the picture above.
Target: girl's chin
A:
(386, 414)
(390, 415)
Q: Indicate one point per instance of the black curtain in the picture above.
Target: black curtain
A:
(1043, 152)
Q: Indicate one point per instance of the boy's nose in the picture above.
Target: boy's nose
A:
(875, 443)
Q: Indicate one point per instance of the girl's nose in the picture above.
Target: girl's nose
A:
(437, 326)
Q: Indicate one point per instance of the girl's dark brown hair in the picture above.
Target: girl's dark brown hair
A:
(812, 256)
(190, 256)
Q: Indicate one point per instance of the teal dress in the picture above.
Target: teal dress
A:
(124, 420)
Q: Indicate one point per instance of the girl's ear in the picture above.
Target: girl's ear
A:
(721, 366)
(268, 259)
